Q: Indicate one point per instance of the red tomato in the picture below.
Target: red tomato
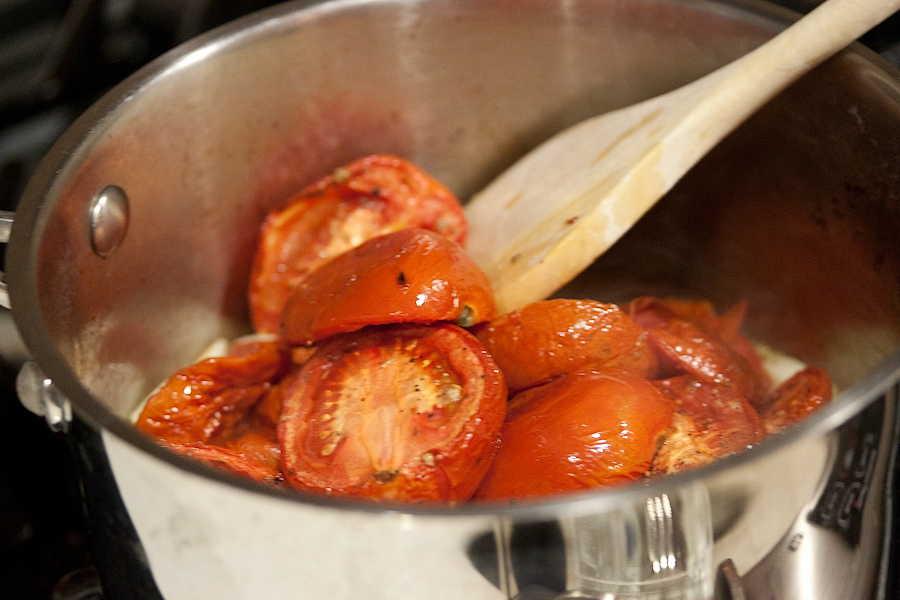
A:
(705, 357)
(268, 409)
(211, 397)
(712, 421)
(585, 429)
(367, 198)
(717, 337)
(235, 462)
(261, 446)
(797, 398)
(394, 412)
(554, 337)
(412, 275)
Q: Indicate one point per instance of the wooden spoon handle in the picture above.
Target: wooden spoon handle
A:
(728, 96)
(552, 213)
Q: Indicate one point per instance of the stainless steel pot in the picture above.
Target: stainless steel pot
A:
(130, 251)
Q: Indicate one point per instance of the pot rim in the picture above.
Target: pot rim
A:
(39, 199)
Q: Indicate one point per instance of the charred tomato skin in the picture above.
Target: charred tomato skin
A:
(369, 197)
(553, 337)
(397, 412)
(586, 429)
(409, 276)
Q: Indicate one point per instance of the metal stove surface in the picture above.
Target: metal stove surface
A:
(56, 58)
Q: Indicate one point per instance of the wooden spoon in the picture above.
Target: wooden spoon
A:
(558, 208)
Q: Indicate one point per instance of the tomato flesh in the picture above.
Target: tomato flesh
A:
(395, 412)
(550, 338)
(367, 198)
(586, 429)
(713, 421)
(413, 275)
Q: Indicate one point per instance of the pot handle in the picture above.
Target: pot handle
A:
(6, 221)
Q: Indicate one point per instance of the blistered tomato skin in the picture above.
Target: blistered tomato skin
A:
(367, 198)
(583, 430)
(412, 275)
(404, 413)
(206, 400)
(554, 337)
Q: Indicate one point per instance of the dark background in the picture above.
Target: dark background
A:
(56, 58)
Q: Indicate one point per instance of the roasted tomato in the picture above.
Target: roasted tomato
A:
(713, 420)
(365, 199)
(209, 398)
(586, 429)
(412, 275)
(408, 412)
(703, 343)
(260, 468)
(705, 357)
(800, 396)
(554, 337)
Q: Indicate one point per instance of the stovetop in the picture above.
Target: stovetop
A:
(56, 58)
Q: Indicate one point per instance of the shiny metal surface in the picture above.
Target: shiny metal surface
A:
(38, 394)
(108, 220)
(6, 221)
(796, 212)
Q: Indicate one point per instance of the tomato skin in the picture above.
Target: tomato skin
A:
(801, 395)
(235, 462)
(550, 338)
(369, 197)
(705, 357)
(207, 399)
(585, 429)
(707, 345)
(405, 412)
(712, 421)
(412, 275)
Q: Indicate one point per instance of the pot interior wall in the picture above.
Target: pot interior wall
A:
(794, 213)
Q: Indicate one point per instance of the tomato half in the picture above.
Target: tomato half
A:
(404, 412)
(803, 394)
(713, 421)
(412, 275)
(692, 333)
(369, 197)
(208, 399)
(553, 337)
(236, 462)
(707, 358)
(585, 429)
